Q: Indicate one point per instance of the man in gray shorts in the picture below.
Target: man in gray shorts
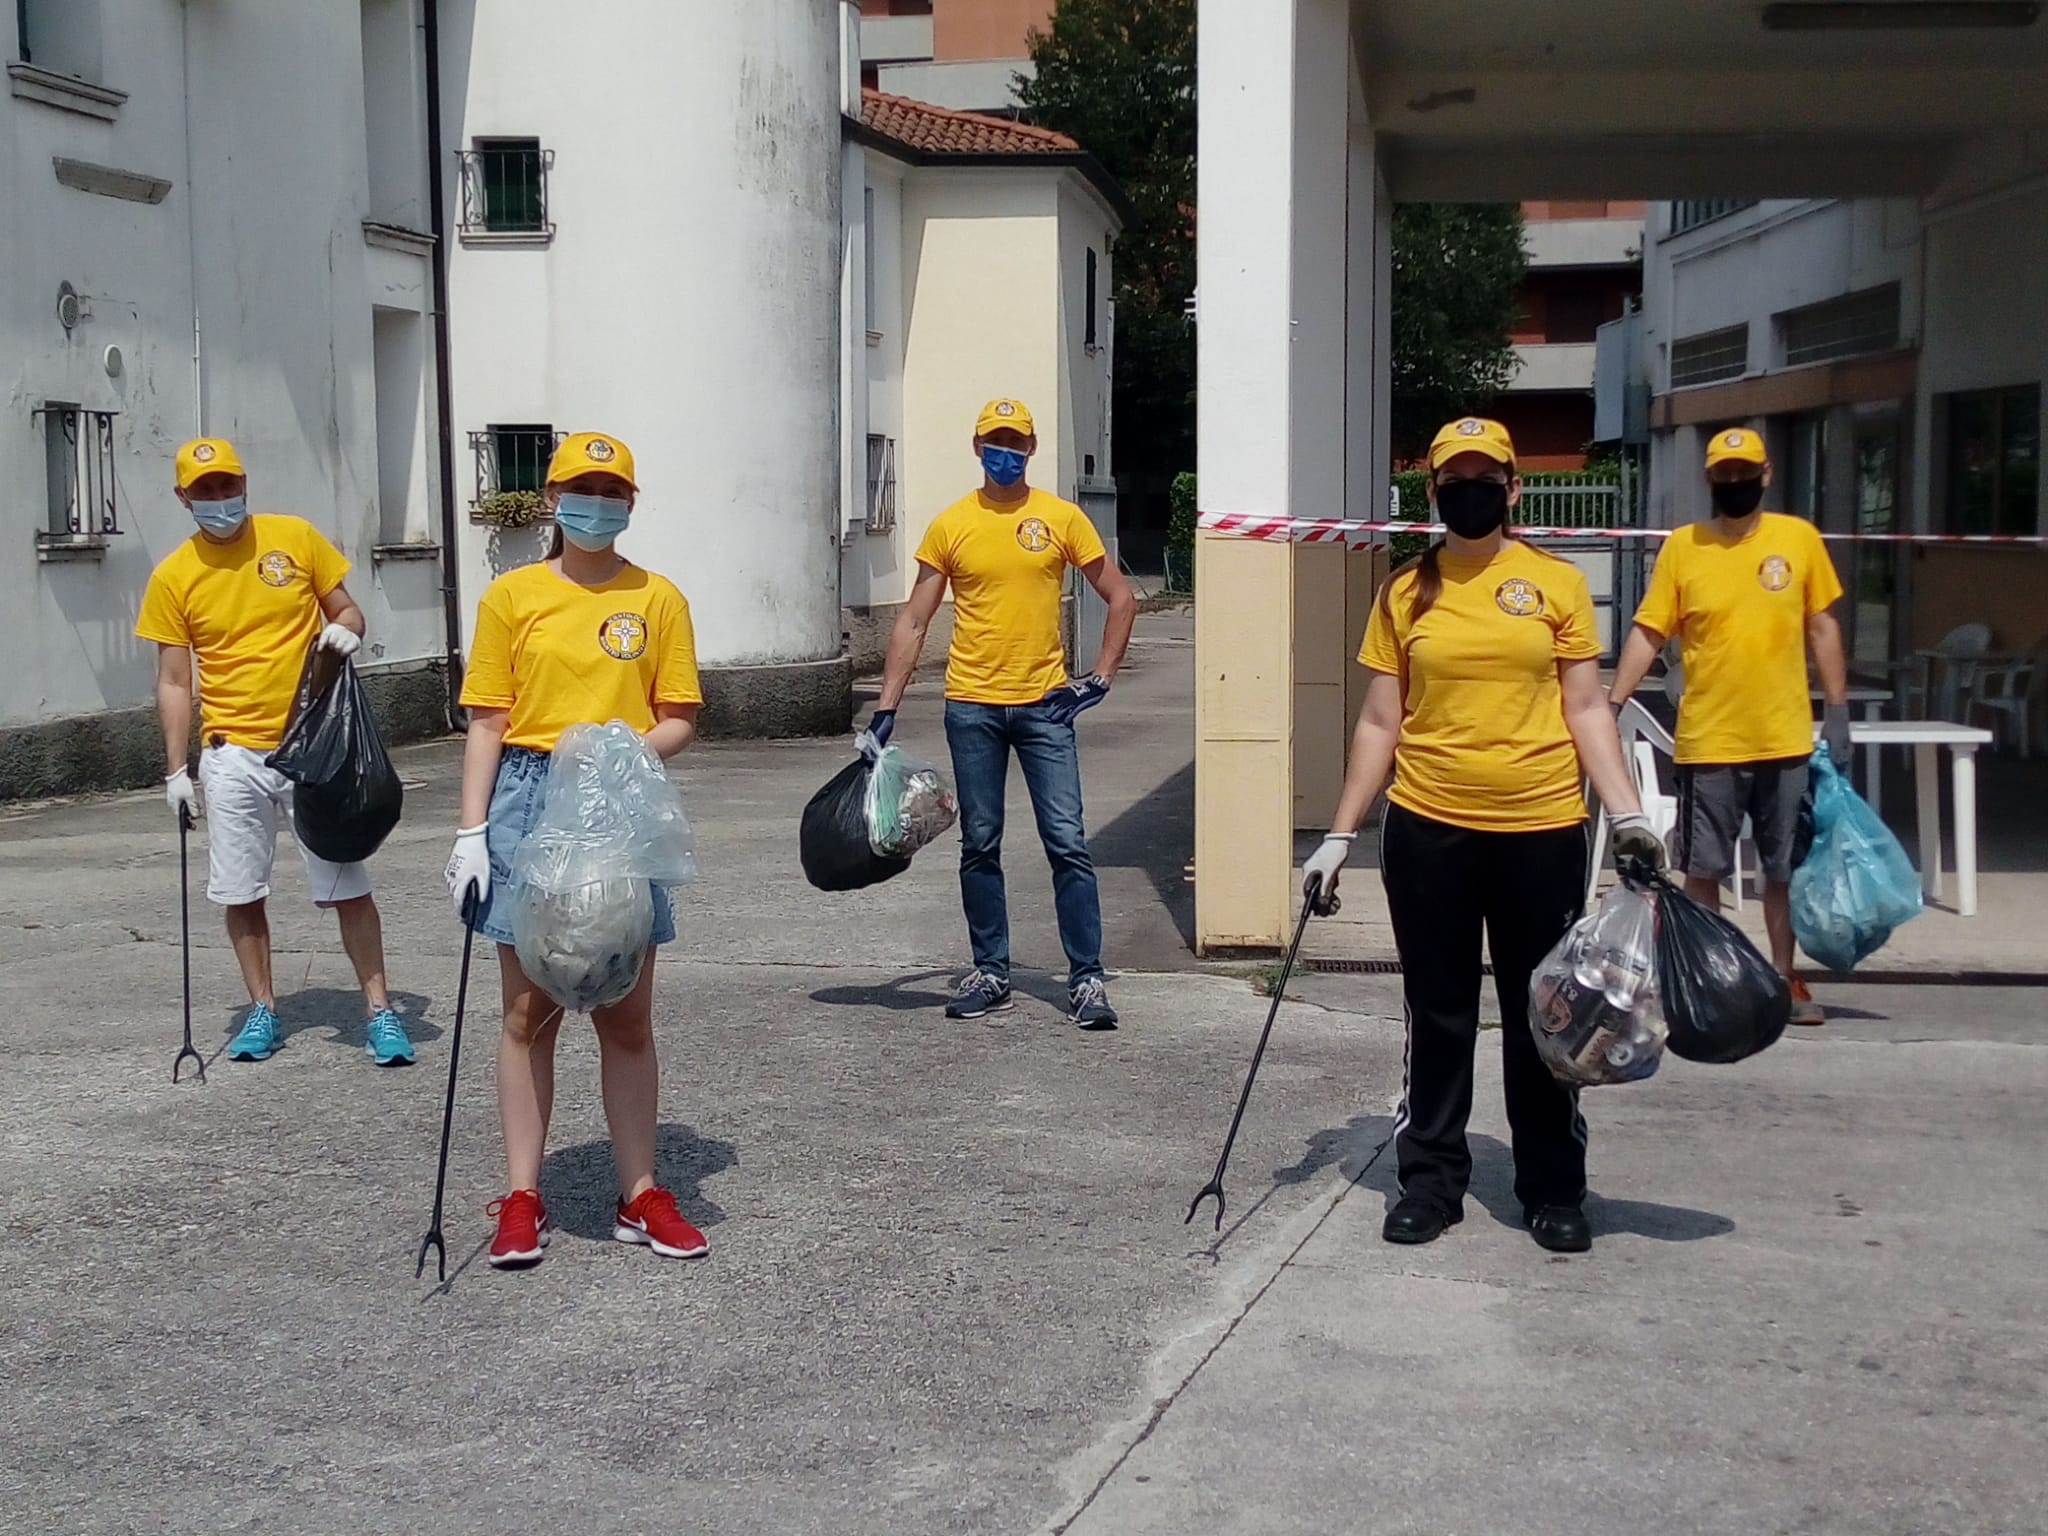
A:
(1747, 594)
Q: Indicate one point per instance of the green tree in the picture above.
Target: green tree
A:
(1457, 268)
(1118, 76)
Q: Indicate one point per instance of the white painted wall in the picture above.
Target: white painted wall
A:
(271, 201)
(689, 300)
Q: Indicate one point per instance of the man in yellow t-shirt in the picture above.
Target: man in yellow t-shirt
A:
(1005, 551)
(1747, 595)
(247, 597)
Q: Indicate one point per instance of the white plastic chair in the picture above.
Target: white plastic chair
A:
(2001, 691)
(1941, 676)
(1642, 740)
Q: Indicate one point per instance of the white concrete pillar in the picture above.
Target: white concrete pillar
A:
(1276, 83)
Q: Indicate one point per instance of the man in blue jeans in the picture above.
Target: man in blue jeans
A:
(1006, 550)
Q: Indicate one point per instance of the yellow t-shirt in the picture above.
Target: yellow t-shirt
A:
(249, 609)
(1007, 565)
(1483, 741)
(1739, 609)
(557, 654)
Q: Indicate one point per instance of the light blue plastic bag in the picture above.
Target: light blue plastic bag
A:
(1857, 884)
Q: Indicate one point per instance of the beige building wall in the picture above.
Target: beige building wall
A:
(981, 262)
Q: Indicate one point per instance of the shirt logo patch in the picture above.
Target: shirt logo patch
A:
(1775, 574)
(599, 451)
(277, 569)
(624, 636)
(1523, 599)
(1034, 535)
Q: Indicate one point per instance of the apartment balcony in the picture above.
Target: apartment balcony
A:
(1552, 366)
(1560, 243)
(895, 39)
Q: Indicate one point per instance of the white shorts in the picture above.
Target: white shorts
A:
(243, 801)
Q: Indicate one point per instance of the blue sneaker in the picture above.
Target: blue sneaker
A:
(389, 1043)
(258, 1038)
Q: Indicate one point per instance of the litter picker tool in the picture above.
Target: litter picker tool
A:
(185, 921)
(433, 1239)
(1313, 904)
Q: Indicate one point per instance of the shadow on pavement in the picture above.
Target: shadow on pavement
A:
(895, 996)
(581, 1187)
(1157, 835)
(341, 1013)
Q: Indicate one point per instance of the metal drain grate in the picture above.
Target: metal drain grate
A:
(1364, 967)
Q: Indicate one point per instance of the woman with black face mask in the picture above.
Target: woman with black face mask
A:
(1486, 708)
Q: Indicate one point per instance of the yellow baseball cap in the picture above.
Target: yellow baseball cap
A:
(1472, 434)
(207, 456)
(584, 453)
(1737, 443)
(1004, 415)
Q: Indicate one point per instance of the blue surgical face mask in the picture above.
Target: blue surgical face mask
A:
(223, 518)
(591, 522)
(1005, 466)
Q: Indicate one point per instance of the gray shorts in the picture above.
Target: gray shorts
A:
(1712, 800)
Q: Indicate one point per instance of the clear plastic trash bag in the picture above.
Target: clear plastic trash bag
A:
(1856, 883)
(909, 804)
(612, 826)
(1593, 1002)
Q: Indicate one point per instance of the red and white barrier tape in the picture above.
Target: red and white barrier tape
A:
(1355, 534)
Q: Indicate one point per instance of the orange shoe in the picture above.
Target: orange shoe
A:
(653, 1219)
(523, 1230)
(1804, 1009)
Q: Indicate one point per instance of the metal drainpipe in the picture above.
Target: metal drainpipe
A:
(444, 410)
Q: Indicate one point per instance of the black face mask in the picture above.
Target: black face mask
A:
(1737, 498)
(1472, 508)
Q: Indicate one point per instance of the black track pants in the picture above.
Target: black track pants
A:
(1525, 889)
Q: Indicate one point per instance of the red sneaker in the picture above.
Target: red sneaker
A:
(654, 1220)
(522, 1230)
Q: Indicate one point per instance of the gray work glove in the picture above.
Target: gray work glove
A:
(1834, 734)
(1635, 838)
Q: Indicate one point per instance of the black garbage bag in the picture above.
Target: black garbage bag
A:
(1722, 998)
(346, 796)
(833, 839)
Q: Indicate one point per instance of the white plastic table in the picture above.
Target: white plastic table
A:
(1873, 700)
(1962, 741)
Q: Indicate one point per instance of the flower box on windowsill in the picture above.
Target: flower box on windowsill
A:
(61, 548)
(509, 509)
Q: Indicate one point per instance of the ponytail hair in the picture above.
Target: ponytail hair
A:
(1429, 584)
(554, 544)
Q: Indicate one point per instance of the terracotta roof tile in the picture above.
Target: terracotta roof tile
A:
(938, 130)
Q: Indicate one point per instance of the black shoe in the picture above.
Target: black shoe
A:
(979, 993)
(1416, 1220)
(1088, 1005)
(1560, 1228)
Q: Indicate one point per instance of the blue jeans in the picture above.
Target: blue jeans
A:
(982, 736)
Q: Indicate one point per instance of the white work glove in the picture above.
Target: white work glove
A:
(1635, 838)
(341, 640)
(469, 864)
(1323, 866)
(180, 796)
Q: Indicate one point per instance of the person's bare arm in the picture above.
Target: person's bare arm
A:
(675, 727)
(1372, 752)
(337, 607)
(1824, 636)
(1637, 654)
(906, 640)
(1114, 588)
(174, 704)
(1591, 724)
(481, 749)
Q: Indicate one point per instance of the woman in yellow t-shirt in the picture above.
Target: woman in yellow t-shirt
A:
(1485, 706)
(585, 636)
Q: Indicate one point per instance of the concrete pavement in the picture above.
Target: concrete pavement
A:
(949, 1288)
